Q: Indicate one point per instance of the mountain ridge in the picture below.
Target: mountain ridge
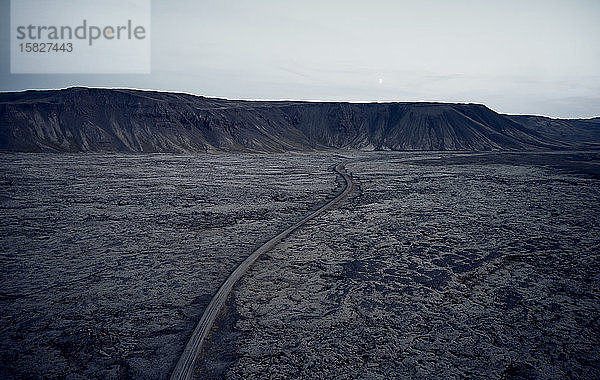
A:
(81, 119)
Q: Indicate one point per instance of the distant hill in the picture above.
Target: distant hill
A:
(94, 120)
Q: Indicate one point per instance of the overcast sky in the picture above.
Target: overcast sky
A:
(521, 56)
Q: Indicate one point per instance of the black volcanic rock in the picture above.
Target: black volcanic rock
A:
(89, 120)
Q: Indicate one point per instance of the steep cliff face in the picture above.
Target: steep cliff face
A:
(414, 126)
(135, 121)
(87, 120)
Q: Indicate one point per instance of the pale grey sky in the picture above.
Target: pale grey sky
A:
(525, 56)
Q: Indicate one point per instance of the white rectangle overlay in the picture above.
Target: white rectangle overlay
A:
(80, 37)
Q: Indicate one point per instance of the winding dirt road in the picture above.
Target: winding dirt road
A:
(185, 366)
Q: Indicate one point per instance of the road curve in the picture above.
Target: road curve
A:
(185, 366)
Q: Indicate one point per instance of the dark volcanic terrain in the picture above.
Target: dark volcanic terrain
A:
(439, 265)
(474, 264)
(119, 120)
(108, 261)
(461, 266)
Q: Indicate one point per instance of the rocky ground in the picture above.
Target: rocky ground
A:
(108, 261)
(449, 266)
(452, 267)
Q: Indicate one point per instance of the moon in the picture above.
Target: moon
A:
(380, 81)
